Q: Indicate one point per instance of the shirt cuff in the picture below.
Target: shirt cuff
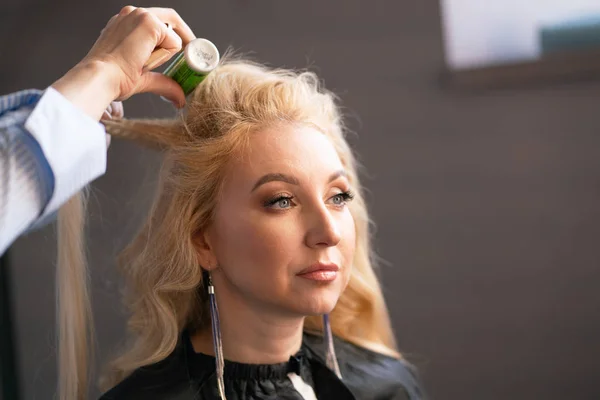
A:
(73, 143)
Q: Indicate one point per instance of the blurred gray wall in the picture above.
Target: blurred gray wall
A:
(487, 205)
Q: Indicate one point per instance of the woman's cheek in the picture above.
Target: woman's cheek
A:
(350, 246)
(266, 244)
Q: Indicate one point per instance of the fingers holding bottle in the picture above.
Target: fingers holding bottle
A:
(129, 40)
(117, 65)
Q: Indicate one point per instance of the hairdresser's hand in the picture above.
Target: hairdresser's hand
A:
(127, 42)
(114, 67)
(113, 111)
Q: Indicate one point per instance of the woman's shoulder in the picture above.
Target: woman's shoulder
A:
(367, 371)
(167, 379)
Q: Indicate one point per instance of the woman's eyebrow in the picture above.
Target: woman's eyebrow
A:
(275, 177)
(290, 179)
(337, 174)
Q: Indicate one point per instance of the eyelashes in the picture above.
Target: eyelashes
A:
(279, 199)
(346, 196)
(285, 201)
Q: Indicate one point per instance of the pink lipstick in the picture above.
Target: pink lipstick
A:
(322, 272)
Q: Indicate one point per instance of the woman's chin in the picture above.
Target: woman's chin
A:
(319, 304)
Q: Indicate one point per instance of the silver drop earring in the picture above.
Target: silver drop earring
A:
(216, 334)
(330, 358)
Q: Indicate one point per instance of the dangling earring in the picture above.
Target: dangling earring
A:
(216, 334)
(330, 358)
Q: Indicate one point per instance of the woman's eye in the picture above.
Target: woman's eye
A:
(341, 199)
(338, 199)
(281, 202)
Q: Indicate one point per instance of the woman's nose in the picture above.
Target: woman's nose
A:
(323, 228)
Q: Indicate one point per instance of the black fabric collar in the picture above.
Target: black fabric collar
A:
(200, 365)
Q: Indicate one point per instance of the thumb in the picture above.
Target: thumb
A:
(157, 83)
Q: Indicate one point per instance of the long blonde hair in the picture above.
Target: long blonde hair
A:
(160, 265)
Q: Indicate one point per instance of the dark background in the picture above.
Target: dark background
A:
(487, 202)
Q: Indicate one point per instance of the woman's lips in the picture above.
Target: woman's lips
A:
(321, 275)
(321, 271)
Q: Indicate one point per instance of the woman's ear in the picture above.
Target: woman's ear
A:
(204, 250)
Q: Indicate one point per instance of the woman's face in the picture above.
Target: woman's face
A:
(282, 211)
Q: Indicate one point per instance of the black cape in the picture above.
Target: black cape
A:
(187, 375)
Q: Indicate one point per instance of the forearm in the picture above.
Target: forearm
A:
(26, 183)
(89, 87)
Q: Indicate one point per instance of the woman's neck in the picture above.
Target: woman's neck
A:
(250, 333)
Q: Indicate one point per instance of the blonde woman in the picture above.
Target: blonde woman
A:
(252, 277)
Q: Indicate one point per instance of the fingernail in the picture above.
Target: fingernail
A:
(176, 105)
(158, 57)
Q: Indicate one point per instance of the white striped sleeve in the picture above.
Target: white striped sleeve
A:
(49, 150)
(73, 143)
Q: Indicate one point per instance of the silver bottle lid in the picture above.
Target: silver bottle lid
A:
(201, 55)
